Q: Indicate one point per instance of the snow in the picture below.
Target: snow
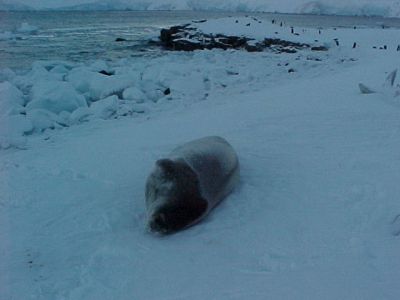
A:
(316, 213)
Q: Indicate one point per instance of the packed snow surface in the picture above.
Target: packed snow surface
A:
(316, 214)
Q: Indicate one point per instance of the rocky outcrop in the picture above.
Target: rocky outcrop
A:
(182, 38)
(187, 38)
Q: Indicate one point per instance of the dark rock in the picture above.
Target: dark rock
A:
(104, 72)
(167, 91)
(313, 58)
(254, 48)
(319, 48)
(287, 50)
(186, 38)
(233, 41)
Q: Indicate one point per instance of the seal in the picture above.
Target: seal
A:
(186, 185)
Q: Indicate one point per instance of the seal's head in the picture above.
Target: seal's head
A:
(173, 197)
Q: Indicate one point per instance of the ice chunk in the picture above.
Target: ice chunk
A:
(11, 99)
(105, 108)
(135, 94)
(96, 85)
(27, 28)
(12, 129)
(99, 65)
(37, 73)
(59, 69)
(80, 115)
(6, 74)
(153, 91)
(55, 96)
(43, 119)
(15, 125)
(7, 35)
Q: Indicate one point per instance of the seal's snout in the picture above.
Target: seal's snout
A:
(158, 223)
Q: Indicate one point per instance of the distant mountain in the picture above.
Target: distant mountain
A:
(384, 8)
(7, 6)
(129, 5)
(107, 5)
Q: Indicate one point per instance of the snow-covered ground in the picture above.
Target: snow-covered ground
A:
(316, 215)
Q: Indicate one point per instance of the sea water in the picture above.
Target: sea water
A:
(79, 36)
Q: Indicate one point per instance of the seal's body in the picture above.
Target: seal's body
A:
(191, 181)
